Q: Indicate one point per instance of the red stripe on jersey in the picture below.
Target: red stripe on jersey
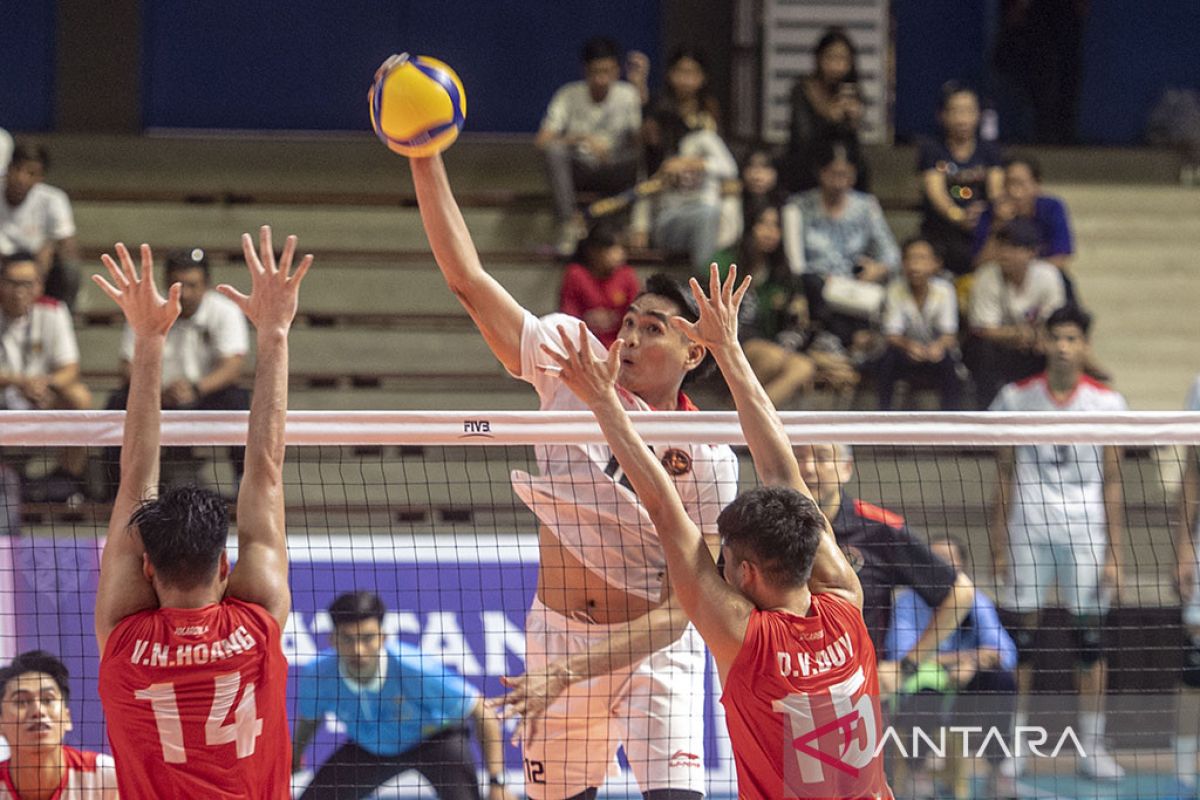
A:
(877, 514)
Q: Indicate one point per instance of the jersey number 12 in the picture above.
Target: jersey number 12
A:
(243, 732)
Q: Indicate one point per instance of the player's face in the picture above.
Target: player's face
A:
(20, 286)
(34, 713)
(1066, 348)
(192, 289)
(656, 356)
(825, 469)
(358, 645)
(600, 74)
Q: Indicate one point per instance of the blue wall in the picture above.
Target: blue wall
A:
(307, 64)
(26, 64)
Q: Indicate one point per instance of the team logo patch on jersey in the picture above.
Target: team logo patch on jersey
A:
(854, 556)
(677, 462)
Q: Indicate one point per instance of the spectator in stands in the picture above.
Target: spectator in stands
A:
(760, 182)
(37, 218)
(920, 321)
(979, 659)
(887, 556)
(826, 106)
(599, 284)
(685, 216)
(39, 365)
(6, 149)
(1187, 532)
(1023, 198)
(34, 720)
(590, 136)
(1010, 301)
(205, 352)
(402, 710)
(959, 176)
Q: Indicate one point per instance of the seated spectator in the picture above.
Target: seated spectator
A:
(6, 149)
(920, 321)
(685, 104)
(685, 216)
(786, 353)
(599, 284)
(34, 720)
(826, 106)
(590, 136)
(37, 218)
(760, 182)
(205, 351)
(959, 176)
(39, 365)
(979, 659)
(1023, 198)
(1010, 301)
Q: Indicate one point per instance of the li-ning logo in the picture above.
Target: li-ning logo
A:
(477, 429)
(682, 758)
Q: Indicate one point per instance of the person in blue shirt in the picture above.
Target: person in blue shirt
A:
(402, 710)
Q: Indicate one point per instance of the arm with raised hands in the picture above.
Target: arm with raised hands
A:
(719, 612)
(497, 315)
(716, 330)
(124, 589)
(261, 574)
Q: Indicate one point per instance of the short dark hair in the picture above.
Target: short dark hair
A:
(1032, 164)
(952, 88)
(184, 531)
(37, 661)
(599, 47)
(601, 235)
(27, 151)
(354, 607)
(776, 527)
(1070, 314)
(663, 285)
(919, 239)
(1020, 232)
(19, 257)
(187, 258)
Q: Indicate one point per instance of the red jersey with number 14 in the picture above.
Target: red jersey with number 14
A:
(802, 705)
(195, 700)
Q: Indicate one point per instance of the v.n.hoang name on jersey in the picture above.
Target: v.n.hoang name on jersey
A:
(158, 654)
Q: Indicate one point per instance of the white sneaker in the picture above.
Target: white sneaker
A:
(1099, 765)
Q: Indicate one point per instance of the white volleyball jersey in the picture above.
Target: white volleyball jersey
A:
(90, 776)
(1059, 494)
(581, 494)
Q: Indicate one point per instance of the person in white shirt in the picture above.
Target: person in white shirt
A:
(920, 321)
(34, 719)
(589, 135)
(37, 218)
(1009, 302)
(39, 364)
(1057, 519)
(205, 353)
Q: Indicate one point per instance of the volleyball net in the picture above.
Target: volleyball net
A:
(420, 509)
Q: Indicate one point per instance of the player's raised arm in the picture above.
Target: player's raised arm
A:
(124, 588)
(774, 459)
(497, 315)
(719, 612)
(261, 574)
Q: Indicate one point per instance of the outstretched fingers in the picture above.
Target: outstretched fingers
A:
(252, 263)
(108, 288)
(301, 270)
(265, 250)
(285, 257)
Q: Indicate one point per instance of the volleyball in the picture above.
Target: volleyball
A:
(418, 105)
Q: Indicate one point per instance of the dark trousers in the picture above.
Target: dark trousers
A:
(896, 366)
(993, 365)
(231, 398)
(445, 760)
(569, 174)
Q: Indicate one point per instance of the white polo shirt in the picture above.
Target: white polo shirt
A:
(39, 343)
(44, 216)
(195, 345)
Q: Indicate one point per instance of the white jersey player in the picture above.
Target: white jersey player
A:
(611, 658)
(1057, 521)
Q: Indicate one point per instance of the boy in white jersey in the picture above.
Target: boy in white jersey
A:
(605, 636)
(1057, 520)
(1187, 741)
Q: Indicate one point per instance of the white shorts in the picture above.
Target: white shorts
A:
(654, 709)
(1075, 567)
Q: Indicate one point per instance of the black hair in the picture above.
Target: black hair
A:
(37, 661)
(354, 607)
(828, 149)
(919, 239)
(662, 285)
(25, 151)
(777, 263)
(1070, 314)
(188, 258)
(184, 531)
(833, 36)
(704, 97)
(599, 47)
(952, 88)
(19, 257)
(1032, 164)
(601, 235)
(776, 527)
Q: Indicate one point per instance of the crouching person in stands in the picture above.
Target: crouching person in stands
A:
(39, 364)
(34, 720)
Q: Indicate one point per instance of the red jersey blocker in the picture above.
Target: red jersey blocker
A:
(196, 703)
(802, 705)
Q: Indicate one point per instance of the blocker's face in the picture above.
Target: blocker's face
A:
(656, 356)
(358, 645)
(34, 713)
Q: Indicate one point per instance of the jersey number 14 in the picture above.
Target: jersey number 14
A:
(243, 732)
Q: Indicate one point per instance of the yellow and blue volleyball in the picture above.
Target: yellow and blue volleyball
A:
(418, 105)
